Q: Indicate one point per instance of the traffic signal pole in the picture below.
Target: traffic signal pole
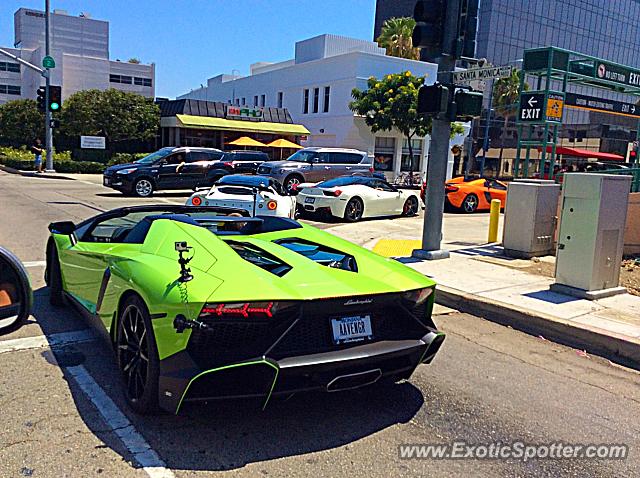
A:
(48, 133)
(440, 134)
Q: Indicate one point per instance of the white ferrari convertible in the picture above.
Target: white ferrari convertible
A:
(356, 197)
(258, 195)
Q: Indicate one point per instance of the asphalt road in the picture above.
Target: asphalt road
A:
(63, 415)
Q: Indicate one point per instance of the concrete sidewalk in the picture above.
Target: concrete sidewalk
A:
(468, 282)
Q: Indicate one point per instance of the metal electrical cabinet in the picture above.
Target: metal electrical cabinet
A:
(530, 218)
(591, 237)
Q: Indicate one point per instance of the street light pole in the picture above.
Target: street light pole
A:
(47, 112)
(440, 134)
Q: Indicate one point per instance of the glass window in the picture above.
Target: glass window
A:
(244, 101)
(305, 102)
(344, 158)
(255, 100)
(384, 153)
(327, 94)
(280, 97)
(13, 90)
(263, 100)
(407, 163)
(126, 79)
(137, 81)
(114, 78)
(316, 99)
(146, 81)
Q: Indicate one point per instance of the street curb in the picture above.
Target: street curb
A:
(33, 174)
(615, 347)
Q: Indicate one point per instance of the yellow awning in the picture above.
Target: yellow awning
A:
(207, 122)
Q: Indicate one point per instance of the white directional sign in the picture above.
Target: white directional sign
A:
(92, 142)
(475, 74)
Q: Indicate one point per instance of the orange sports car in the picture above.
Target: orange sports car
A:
(474, 195)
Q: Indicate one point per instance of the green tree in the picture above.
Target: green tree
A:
(133, 60)
(20, 123)
(392, 102)
(395, 37)
(506, 92)
(117, 115)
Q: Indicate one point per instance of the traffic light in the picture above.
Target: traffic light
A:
(428, 32)
(55, 98)
(468, 105)
(432, 99)
(467, 29)
(41, 100)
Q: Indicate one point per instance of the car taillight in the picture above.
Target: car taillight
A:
(450, 189)
(272, 205)
(196, 201)
(244, 310)
(334, 193)
(371, 169)
(228, 164)
(418, 296)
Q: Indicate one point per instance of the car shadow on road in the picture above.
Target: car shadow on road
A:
(161, 194)
(227, 435)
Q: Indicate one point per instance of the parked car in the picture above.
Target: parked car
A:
(317, 164)
(258, 195)
(201, 305)
(236, 162)
(167, 168)
(473, 195)
(355, 197)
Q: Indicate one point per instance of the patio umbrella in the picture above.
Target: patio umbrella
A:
(246, 141)
(283, 143)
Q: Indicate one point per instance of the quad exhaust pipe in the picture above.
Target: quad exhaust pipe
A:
(434, 342)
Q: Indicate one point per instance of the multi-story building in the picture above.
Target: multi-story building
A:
(315, 87)
(80, 48)
(599, 28)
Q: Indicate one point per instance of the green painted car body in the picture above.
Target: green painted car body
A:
(98, 276)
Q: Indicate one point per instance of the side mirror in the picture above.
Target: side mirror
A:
(63, 227)
(15, 293)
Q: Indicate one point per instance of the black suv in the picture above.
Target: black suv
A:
(241, 162)
(167, 168)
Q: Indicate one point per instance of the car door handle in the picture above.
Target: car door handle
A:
(348, 168)
(327, 167)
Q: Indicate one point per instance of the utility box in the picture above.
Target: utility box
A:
(530, 218)
(591, 237)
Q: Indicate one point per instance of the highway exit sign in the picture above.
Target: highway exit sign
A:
(538, 107)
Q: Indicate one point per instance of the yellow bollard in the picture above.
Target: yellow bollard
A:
(494, 218)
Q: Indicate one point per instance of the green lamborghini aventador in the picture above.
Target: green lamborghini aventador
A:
(204, 303)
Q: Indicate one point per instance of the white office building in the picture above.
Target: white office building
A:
(80, 48)
(315, 87)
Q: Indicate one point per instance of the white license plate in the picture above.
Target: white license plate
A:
(309, 200)
(106, 181)
(351, 329)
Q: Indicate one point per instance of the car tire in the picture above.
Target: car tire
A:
(143, 188)
(469, 204)
(354, 210)
(137, 356)
(53, 277)
(291, 180)
(410, 207)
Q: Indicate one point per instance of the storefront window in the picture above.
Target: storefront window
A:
(383, 155)
(408, 164)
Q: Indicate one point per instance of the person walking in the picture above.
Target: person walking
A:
(37, 149)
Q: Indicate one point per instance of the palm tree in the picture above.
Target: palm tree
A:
(395, 37)
(506, 92)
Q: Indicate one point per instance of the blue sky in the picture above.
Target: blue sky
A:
(191, 41)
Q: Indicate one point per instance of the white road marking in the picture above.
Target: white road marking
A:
(142, 452)
(42, 341)
(34, 263)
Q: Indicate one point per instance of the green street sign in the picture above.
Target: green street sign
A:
(48, 62)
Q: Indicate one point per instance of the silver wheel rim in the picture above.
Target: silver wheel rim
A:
(291, 182)
(354, 209)
(470, 204)
(143, 187)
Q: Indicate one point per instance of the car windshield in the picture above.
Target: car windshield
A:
(344, 181)
(153, 157)
(303, 156)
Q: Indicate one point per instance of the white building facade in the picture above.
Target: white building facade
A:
(316, 88)
(80, 48)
